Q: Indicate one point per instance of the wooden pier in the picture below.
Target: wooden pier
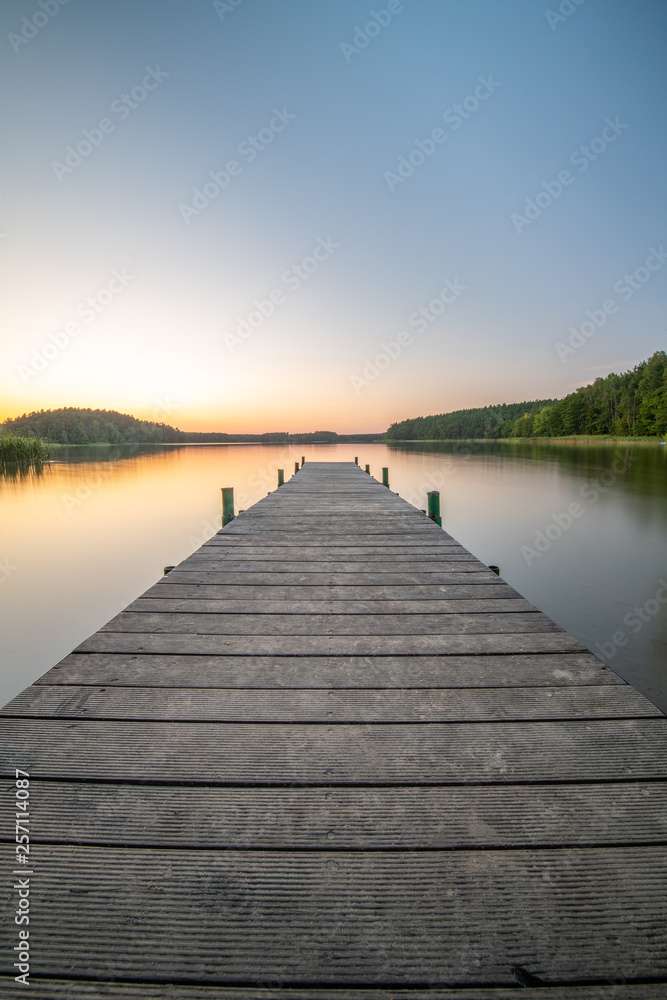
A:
(332, 755)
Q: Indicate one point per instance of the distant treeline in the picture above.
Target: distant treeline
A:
(483, 422)
(632, 404)
(72, 425)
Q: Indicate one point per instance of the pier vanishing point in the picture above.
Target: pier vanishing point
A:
(332, 755)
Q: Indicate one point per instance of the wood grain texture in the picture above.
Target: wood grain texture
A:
(457, 918)
(331, 705)
(68, 989)
(372, 818)
(180, 670)
(331, 645)
(264, 605)
(317, 624)
(298, 754)
(280, 592)
(239, 578)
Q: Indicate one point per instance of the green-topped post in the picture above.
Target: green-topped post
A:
(385, 476)
(434, 507)
(227, 504)
(281, 477)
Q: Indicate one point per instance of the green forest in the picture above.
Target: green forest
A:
(72, 425)
(631, 404)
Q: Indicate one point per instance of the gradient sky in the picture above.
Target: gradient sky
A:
(125, 289)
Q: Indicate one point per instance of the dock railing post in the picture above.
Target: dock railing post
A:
(227, 504)
(367, 469)
(281, 477)
(296, 467)
(303, 461)
(434, 507)
(356, 460)
(385, 476)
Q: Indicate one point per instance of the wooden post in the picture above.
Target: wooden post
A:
(495, 569)
(385, 476)
(227, 504)
(281, 477)
(296, 467)
(434, 507)
(356, 460)
(303, 461)
(367, 469)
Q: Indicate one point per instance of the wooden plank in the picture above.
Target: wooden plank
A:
(345, 818)
(312, 624)
(193, 605)
(305, 754)
(66, 989)
(397, 567)
(311, 553)
(261, 548)
(463, 917)
(279, 592)
(471, 577)
(335, 557)
(331, 645)
(330, 705)
(147, 670)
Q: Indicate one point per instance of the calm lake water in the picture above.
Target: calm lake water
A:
(580, 530)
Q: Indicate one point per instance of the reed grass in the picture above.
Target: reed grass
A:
(22, 451)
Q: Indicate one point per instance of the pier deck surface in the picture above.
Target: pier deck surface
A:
(332, 755)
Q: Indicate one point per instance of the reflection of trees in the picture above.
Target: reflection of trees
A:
(641, 465)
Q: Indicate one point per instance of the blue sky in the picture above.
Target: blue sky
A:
(296, 215)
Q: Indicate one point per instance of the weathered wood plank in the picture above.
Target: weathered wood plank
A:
(331, 645)
(396, 566)
(303, 754)
(312, 624)
(263, 605)
(64, 989)
(431, 917)
(470, 577)
(147, 670)
(226, 555)
(259, 548)
(345, 818)
(330, 705)
(279, 592)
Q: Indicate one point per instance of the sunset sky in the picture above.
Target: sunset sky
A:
(247, 215)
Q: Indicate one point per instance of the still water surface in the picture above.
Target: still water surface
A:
(581, 531)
